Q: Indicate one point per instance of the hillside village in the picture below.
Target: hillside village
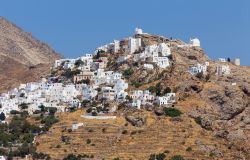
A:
(93, 81)
(128, 86)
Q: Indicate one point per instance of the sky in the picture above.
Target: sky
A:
(76, 27)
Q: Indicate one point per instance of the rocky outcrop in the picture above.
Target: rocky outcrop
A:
(136, 120)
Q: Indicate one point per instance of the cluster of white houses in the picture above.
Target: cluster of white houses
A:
(140, 97)
(95, 82)
(221, 69)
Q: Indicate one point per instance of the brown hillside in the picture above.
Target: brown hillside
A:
(22, 57)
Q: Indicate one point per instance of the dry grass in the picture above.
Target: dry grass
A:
(157, 136)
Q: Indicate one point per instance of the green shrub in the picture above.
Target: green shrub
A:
(177, 157)
(124, 132)
(88, 141)
(49, 121)
(128, 72)
(198, 120)
(172, 112)
(189, 149)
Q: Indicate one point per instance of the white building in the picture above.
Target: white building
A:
(134, 44)
(237, 61)
(136, 103)
(148, 66)
(222, 60)
(199, 68)
(107, 93)
(164, 49)
(163, 62)
(141, 98)
(138, 31)
(166, 100)
(194, 42)
(116, 46)
(223, 70)
(88, 92)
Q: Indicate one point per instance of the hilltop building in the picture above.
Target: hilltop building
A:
(195, 42)
(134, 44)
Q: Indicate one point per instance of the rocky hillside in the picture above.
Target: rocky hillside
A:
(22, 57)
(214, 124)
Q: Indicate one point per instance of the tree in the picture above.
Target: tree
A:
(2, 117)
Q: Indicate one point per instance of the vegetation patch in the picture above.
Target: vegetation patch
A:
(172, 112)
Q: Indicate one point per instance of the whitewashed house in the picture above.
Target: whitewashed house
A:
(163, 62)
(223, 70)
(199, 68)
(136, 94)
(134, 44)
(107, 93)
(166, 100)
(148, 66)
(83, 76)
(120, 87)
(141, 98)
(164, 49)
(31, 86)
(88, 92)
(136, 103)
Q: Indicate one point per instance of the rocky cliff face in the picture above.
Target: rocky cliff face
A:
(22, 57)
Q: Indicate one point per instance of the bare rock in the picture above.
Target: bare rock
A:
(136, 121)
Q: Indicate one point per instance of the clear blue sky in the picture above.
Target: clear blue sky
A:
(74, 27)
